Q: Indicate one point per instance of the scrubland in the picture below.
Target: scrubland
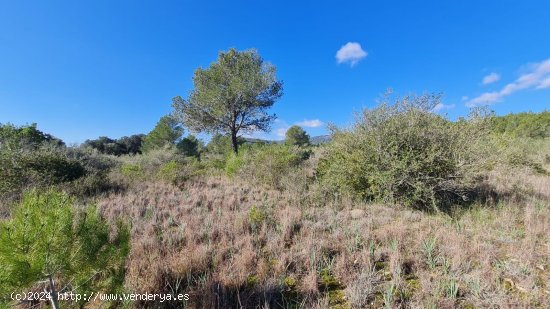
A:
(403, 210)
(231, 243)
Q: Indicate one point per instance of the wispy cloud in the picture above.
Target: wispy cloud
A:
(280, 132)
(315, 123)
(439, 107)
(544, 84)
(350, 53)
(536, 76)
(491, 78)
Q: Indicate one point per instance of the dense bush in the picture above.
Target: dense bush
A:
(46, 167)
(178, 171)
(404, 153)
(92, 160)
(20, 169)
(25, 137)
(167, 165)
(533, 125)
(220, 144)
(234, 163)
(132, 171)
(265, 164)
(218, 150)
(30, 158)
(91, 186)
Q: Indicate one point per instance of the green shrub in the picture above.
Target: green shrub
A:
(178, 171)
(192, 167)
(90, 185)
(218, 151)
(20, 169)
(92, 160)
(51, 167)
(234, 163)
(12, 179)
(154, 159)
(30, 158)
(256, 216)
(404, 153)
(169, 171)
(166, 164)
(512, 152)
(220, 144)
(266, 164)
(132, 171)
(532, 125)
(46, 236)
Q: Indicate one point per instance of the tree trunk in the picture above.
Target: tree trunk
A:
(53, 294)
(234, 143)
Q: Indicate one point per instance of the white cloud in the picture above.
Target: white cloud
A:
(439, 107)
(280, 132)
(350, 53)
(464, 98)
(314, 123)
(281, 126)
(491, 78)
(544, 84)
(537, 76)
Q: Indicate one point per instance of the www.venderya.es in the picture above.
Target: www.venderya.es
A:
(140, 297)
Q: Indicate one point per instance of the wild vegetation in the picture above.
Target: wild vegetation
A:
(231, 96)
(46, 238)
(404, 153)
(404, 209)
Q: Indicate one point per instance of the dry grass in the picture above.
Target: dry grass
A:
(229, 244)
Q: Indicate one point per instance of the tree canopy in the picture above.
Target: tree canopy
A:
(190, 146)
(231, 96)
(124, 145)
(27, 136)
(295, 135)
(166, 132)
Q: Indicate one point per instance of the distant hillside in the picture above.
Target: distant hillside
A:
(257, 140)
(321, 139)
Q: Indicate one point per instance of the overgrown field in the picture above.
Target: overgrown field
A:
(405, 209)
(232, 245)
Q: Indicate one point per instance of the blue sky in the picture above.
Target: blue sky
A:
(82, 69)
